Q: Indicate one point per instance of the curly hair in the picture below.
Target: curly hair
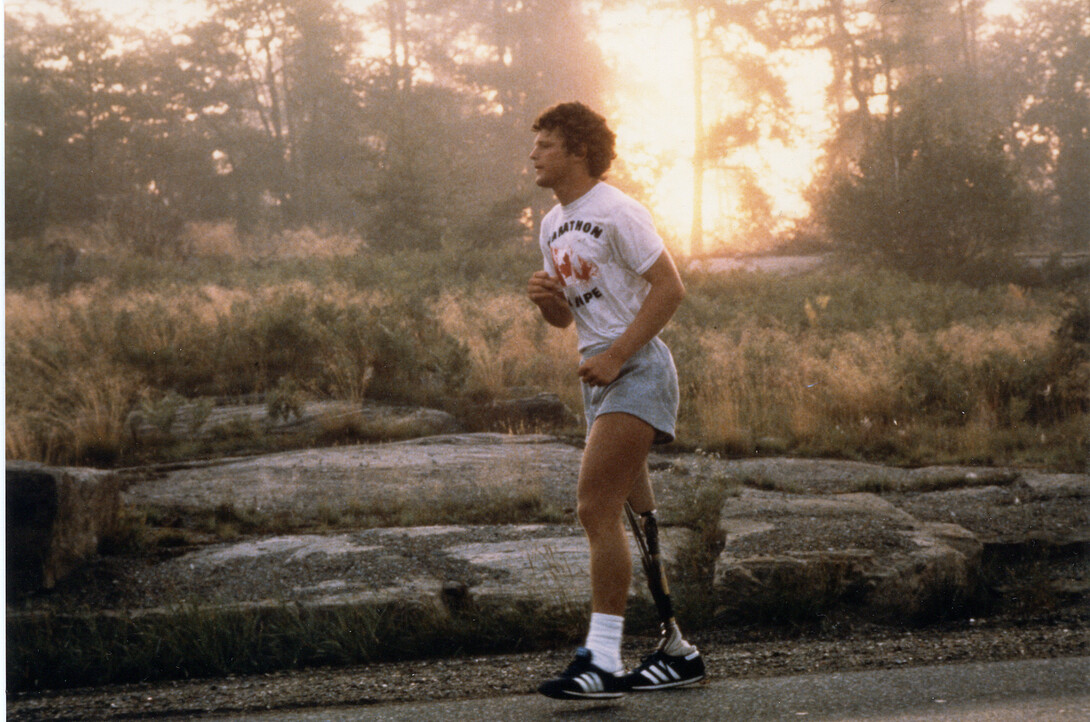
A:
(582, 129)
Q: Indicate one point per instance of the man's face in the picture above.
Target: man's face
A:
(553, 164)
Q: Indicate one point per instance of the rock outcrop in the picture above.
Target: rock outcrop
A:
(479, 531)
(178, 419)
(797, 538)
(801, 555)
(531, 413)
(56, 518)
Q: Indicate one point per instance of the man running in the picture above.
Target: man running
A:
(608, 270)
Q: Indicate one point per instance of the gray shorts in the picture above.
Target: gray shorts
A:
(646, 388)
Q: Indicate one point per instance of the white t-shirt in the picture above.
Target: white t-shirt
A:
(598, 246)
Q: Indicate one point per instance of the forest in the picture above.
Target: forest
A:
(957, 136)
(332, 200)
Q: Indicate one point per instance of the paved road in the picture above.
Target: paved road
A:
(1032, 691)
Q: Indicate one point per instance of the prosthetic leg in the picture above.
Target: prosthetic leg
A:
(645, 530)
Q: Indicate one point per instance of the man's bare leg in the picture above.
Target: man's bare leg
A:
(614, 459)
(642, 496)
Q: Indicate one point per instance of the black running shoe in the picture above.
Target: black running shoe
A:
(583, 680)
(660, 670)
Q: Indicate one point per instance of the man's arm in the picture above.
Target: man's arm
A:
(548, 294)
(666, 294)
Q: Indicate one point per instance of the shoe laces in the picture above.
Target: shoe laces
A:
(646, 661)
(580, 664)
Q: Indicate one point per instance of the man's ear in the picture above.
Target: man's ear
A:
(584, 156)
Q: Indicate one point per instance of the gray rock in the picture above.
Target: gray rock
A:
(940, 572)
(179, 419)
(788, 556)
(806, 537)
(56, 518)
(532, 413)
(416, 474)
(1050, 509)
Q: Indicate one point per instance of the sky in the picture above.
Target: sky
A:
(652, 112)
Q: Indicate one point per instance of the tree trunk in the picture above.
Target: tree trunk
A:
(696, 236)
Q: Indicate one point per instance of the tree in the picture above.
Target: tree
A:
(287, 98)
(919, 174)
(30, 137)
(450, 108)
(535, 53)
(1044, 60)
(738, 99)
(700, 145)
(541, 53)
(68, 95)
(937, 199)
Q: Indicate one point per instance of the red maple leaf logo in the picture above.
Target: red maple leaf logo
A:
(578, 268)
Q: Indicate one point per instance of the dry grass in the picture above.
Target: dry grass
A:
(223, 240)
(79, 363)
(954, 394)
(509, 346)
(830, 365)
(766, 381)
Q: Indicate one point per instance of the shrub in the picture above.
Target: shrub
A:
(1068, 364)
(933, 194)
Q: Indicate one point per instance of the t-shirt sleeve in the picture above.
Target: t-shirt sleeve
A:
(636, 242)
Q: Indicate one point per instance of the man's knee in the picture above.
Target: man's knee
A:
(598, 517)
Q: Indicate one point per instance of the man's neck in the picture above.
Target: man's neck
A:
(571, 192)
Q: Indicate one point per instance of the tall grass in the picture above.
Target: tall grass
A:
(876, 366)
(509, 347)
(836, 363)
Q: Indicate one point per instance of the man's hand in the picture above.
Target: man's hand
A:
(543, 289)
(600, 370)
(548, 293)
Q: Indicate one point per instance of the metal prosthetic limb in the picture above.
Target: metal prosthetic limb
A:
(645, 530)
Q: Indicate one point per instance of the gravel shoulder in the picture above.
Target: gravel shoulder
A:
(738, 653)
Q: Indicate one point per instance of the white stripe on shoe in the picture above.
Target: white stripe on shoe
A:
(660, 674)
(589, 682)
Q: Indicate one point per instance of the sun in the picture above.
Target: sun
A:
(651, 54)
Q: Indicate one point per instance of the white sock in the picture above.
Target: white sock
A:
(604, 641)
(674, 644)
